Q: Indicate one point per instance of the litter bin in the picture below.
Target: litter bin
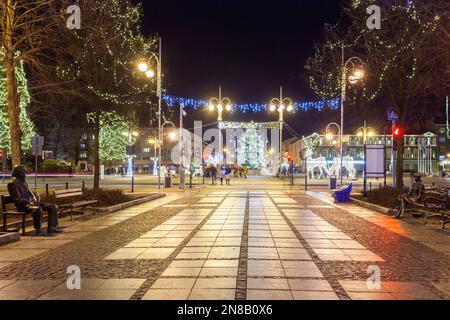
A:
(333, 182)
(168, 181)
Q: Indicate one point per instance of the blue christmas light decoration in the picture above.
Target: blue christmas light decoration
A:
(196, 104)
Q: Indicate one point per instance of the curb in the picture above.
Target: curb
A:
(383, 210)
(128, 204)
(8, 237)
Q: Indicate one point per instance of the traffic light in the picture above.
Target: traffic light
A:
(289, 157)
(397, 134)
(1, 154)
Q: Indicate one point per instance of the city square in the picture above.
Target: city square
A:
(242, 153)
(245, 241)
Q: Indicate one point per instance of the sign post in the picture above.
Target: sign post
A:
(393, 117)
(374, 162)
(36, 143)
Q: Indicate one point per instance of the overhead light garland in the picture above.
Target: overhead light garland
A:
(173, 101)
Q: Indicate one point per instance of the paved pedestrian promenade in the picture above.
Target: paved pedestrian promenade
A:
(233, 243)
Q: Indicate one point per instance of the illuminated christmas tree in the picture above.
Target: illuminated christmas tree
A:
(26, 125)
(113, 141)
(252, 149)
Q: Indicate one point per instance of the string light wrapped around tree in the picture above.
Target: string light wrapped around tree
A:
(113, 142)
(26, 125)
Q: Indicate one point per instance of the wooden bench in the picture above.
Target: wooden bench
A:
(71, 200)
(8, 200)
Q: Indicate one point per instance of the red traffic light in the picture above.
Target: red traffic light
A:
(1, 154)
(397, 132)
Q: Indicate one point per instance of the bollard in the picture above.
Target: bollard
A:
(82, 186)
(132, 184)
(380, 185)
(370, 186)
(46, 189)
(67, 185)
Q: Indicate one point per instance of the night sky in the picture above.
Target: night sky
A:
(250, 47)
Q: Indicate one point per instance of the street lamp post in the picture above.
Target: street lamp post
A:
(131, 155)
(219, 103)
(172, 135)
(365, 132)
(279, 104)
(358, 74)
(154, 141)
(150, 73)
(329, 136)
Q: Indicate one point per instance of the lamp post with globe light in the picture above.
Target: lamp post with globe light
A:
(172, 134)
(365, 132)
(329, 136)
(220, 103)
(280, 104)
(144, 67)
(131, 155)
(356, 66)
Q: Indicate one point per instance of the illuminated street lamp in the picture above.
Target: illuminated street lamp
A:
(329, 136)
(220, 103)
(365, 132)
(356, 66)
(144, 67)
(130, 135)
(172, 134)
(280, 104)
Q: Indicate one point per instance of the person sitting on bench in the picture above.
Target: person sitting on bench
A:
(412, 196)
(29, 202)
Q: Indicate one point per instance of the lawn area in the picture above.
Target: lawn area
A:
(385, 197)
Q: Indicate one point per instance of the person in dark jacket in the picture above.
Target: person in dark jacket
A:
(227, 174)
(28, 201)
(213, 174)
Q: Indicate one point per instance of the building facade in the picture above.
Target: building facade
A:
(421, 152)
(443, 147)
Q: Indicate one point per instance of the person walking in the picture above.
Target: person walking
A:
(222, 173)
(245, 171)
(213, 171)
(227, 174)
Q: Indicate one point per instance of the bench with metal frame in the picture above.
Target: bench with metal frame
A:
(436, 206)
(6, 200)
(432, 203)
(70, 200)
